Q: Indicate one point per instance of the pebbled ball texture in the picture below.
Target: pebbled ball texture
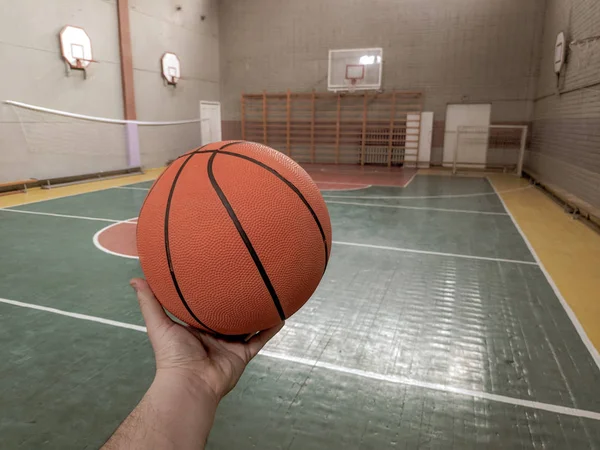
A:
(198, 262)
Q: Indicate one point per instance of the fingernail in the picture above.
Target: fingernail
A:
(133, 285)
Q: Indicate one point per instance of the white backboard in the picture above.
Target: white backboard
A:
(75, 47)
(559, 52)
(171, 69)
(355, 69)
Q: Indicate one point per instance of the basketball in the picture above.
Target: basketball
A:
(233, 237)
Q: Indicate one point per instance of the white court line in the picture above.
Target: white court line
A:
(362, 186)
(132, 188)
(61, 312)
(68, 216)
(345, 190)
(347, 370)
(580, 330)
(340, 182)
(96, 239)
(425, 252)
(436, 387)
(406, 197)
(423, 208)
(352, 244)
(411, 178)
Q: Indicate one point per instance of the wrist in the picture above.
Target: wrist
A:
(187, 386)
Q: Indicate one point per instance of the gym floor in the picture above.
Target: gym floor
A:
(456, 312)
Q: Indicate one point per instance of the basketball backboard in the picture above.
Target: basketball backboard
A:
(171, 69)
(559, 52)
(355, 69)
(75, 47)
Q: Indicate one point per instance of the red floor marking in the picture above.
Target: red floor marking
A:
(119, 239)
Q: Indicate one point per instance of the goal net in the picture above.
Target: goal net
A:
(493, 147)
(56, 143)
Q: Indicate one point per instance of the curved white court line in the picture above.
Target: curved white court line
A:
(96, 239)
(362, 186)
(395, 379)
(406, 197)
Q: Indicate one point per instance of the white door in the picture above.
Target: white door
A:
(466, 115)
(210, 120)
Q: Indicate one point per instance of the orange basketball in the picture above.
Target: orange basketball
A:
(233, 237)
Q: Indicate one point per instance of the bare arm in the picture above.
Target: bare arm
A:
(194, 372)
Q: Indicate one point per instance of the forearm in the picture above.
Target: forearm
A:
(174, 414)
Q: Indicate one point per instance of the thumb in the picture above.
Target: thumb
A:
(153, 312)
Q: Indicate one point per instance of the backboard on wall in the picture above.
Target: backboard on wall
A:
(559, 52)
(171, 69)
(355, 69)
(75, 47)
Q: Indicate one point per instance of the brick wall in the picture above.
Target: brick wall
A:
(566, 132)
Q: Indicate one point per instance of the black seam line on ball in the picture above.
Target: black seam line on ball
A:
(244, 236)
(296, 191)
(282, 178)
(199, 150)
(168, 249)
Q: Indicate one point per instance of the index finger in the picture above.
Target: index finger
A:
(258, 341)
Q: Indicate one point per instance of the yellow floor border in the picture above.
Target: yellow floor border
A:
(567, 248)
(38, 195)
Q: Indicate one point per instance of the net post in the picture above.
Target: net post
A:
(134, 158)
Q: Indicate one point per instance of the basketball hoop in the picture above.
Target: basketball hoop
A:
(352, 86)
(171, 68)
(80, 64)
(76, 49)
(355, 73)
(172, 77)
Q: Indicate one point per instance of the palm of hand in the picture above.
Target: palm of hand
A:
(217, 363)
(185, 352)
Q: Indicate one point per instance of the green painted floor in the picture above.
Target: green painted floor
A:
(348, 371)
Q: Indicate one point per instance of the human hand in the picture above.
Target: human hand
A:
(197, 359)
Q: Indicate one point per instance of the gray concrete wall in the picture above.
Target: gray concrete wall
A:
(566, 131)
(157, 27)
(34, 72)
(454, 50)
